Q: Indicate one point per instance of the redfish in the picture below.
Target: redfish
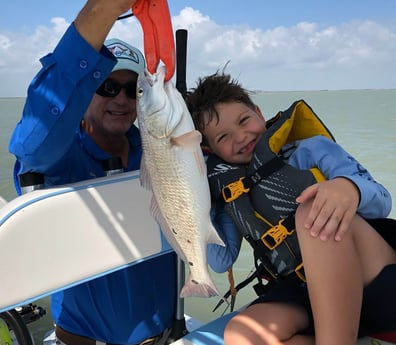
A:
(174, 169)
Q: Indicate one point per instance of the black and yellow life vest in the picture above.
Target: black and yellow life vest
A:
(261, 197)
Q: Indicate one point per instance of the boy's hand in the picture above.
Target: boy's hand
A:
(334, 204)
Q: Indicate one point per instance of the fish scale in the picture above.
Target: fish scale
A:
(174, 169)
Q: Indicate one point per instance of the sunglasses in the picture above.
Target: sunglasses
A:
(111, 88)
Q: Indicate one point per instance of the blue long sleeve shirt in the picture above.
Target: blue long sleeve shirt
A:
(221, 258)
(48, 138)
(129, 305)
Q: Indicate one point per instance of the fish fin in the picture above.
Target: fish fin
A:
(201, 165)
(166, 230)
(198, 289)
(192, 141)
(188, 140)
(214, 237)
(144, 175)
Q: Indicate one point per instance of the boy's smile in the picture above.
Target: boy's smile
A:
(234, 137)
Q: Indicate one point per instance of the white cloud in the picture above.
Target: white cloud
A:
(357, 54)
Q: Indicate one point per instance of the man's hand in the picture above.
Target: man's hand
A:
(334, 204)
(97, 17)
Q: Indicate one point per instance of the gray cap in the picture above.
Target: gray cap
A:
(128, 57)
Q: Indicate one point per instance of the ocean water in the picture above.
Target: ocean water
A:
(362, 121)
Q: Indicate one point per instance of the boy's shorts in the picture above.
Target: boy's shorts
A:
(378, 308)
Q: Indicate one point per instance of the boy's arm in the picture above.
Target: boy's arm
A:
(350, 188)
(221, 258)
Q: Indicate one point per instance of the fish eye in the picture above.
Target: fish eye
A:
(140, 92)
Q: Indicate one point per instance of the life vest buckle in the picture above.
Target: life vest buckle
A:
(273, 237)
(300, 272)
(234, 190)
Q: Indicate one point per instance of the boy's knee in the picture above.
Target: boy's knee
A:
(240, 330)
(233, 326)
(230, 330)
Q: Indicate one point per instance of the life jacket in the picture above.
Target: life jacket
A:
(260, 197)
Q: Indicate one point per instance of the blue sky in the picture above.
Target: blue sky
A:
(270, 44)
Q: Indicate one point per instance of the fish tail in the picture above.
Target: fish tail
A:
(198, 289)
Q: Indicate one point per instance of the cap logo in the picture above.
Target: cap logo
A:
(121, 51)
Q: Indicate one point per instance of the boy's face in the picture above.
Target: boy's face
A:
(236, 134)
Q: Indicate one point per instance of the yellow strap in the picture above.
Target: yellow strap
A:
(300, 272)
(232, 282)
(319, 177)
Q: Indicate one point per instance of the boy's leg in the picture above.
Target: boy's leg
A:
(335, 284)
(268, 324)
(336, 273)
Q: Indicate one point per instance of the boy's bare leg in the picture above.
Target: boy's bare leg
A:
(335, 284)
(336, 274)
(268, 324)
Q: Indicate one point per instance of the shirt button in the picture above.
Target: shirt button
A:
(55, 111)
(83, 64)
(97, 74)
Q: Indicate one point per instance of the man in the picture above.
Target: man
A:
(79, 112)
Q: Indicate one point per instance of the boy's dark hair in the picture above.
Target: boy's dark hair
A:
(211, 90)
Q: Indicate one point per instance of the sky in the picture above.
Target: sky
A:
(270, 45)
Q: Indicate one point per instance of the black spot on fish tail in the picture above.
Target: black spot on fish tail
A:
(195, 282)
(191, 263)
(174, 231)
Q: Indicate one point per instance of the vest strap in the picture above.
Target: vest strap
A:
(274, 236)
(234, 190)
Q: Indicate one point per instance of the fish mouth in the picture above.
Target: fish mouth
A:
(155, 77)
(150, 78)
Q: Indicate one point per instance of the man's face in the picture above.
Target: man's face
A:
(113, 115)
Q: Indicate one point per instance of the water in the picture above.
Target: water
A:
(363, 122)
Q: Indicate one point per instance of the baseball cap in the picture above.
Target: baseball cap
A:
(128, 57)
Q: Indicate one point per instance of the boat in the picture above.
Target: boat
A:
(99, 216)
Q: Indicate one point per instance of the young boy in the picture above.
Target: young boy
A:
(344, 290)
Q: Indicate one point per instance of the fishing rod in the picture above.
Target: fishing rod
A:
(181, 61)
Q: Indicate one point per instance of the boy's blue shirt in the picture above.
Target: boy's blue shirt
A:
(333, 161)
